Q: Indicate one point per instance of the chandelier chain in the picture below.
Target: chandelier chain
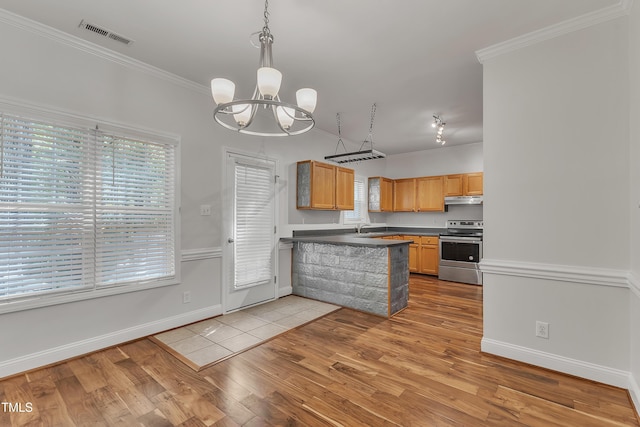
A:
(265, 29)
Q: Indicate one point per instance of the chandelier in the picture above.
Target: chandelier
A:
(284, 119)
(439, 124)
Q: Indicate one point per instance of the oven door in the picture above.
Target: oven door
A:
(460, 251)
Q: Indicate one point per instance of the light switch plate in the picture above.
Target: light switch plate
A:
(205, 210)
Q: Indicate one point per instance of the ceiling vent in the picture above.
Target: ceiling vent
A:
(104, 32)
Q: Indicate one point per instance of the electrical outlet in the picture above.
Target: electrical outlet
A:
(205, 210)
(542, 329)
(186, 297)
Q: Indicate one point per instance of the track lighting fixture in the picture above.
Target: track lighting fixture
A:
(439, 125)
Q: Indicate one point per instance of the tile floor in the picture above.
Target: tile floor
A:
(204, 343)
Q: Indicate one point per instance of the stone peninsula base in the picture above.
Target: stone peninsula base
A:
(370, 279)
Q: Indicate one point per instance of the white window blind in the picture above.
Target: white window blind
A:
(357, 215)
(80, 210)
(254, 219)
(134, 211)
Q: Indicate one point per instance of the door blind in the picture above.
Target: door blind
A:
(254, 219)
(80, 210)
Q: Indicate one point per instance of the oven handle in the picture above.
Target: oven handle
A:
(458, 239)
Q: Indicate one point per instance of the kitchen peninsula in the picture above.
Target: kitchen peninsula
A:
(366, 274)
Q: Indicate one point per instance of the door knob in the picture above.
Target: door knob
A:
(230, 240)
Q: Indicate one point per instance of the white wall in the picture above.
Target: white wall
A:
(52, 74)
(634, 130)
(557, 173)
(48, 69)
(435, 161)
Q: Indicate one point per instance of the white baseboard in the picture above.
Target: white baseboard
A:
(68, 351)
(579, 368)
(634, 391)
(283, 292)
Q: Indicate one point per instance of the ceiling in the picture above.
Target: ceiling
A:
(414, 58)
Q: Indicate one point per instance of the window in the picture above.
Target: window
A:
(83, 210)
(359, 213)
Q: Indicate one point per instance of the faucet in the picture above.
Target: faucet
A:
(360, 225)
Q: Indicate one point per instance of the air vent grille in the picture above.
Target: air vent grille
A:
(105, 32)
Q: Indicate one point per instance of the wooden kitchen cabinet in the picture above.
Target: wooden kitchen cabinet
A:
(463, 184)
(324, 186)
(414, 256)
(344, 188)
(380, 194)
(430, 194)
(453, 185)
(404, 195)
(474, 184)
(429, 255)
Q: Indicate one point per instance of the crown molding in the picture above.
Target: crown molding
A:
(622, 8)
(61, 37)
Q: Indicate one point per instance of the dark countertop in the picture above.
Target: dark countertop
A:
(348, 239)
(368, 236)
(372, 231)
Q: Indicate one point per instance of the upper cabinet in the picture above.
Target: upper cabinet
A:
(324, 186)
(453, 185)
(344, 189)
(380, 194)
(404, 195)
(430, 194)
(464, 184)
(473, 184)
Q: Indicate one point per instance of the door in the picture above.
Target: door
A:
(249, 222)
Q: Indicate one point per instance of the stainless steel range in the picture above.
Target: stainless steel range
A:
(461, 251)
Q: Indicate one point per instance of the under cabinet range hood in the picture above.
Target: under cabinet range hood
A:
(463, 200)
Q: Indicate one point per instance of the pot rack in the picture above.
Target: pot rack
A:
(360, 155)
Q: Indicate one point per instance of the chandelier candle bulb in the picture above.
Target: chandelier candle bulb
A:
(286, 116)
(222, 90)
(269, 80)
(307, 99)
(243, 114)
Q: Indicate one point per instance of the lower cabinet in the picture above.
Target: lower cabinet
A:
(429, 255)
(414, 255)
(424, 256)
(424, 253)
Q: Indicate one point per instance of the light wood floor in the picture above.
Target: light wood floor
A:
(422, 368)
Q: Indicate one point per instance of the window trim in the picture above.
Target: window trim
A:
(67, 118)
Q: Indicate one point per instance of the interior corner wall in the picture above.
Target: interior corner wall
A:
(634, 205)
(45, 71)
(556, 212)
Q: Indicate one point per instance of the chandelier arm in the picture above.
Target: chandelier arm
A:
(227, 109)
